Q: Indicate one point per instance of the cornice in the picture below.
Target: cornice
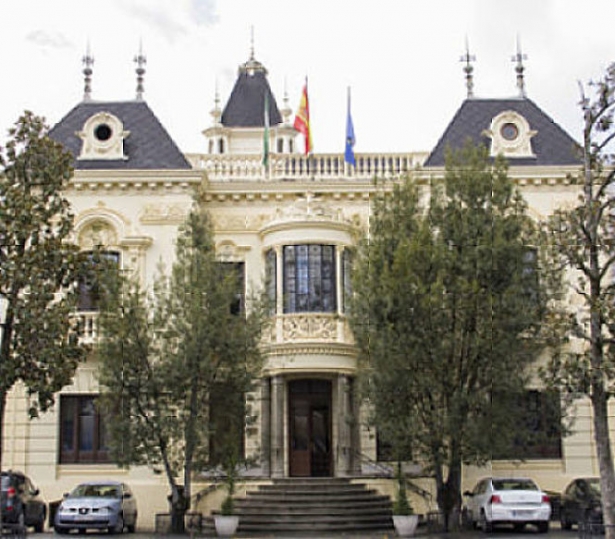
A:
(135, 180)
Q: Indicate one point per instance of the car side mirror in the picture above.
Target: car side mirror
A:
(65, 495)
(127, 495)
(35, 492)
(468, 493)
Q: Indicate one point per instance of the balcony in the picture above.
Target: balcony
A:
(286, 329)
(296, 167)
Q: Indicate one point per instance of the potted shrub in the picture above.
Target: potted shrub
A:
(226, 521)
(404, 519)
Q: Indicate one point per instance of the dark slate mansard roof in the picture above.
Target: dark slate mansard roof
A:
(551, 145)
(147, 147)
(246, 104)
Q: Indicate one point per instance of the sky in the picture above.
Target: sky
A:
(401, 60)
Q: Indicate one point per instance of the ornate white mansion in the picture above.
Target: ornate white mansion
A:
(294, 219)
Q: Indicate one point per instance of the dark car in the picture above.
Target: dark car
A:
(97, 505)
(581, 503)
(21, 503)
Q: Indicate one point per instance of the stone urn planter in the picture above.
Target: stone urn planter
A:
(405, 525)
(226, 525)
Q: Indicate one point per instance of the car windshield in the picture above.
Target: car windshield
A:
(514, 484)
(96, 491)
(5, 482)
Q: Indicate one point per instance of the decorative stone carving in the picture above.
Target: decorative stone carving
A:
(309, 327)
(96, 234)
(510, 135)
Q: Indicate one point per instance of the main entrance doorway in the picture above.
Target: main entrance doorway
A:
(310, 428)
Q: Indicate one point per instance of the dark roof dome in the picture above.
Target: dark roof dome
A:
(551, 145)
(246, 104)
(147, 144)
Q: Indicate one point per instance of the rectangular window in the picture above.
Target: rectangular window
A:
(82, 431)
(89, 287)
(237, 272)
(309, 278)
(347, 278)
(271, 276)
(540, 427)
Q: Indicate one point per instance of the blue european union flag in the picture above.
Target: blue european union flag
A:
(350, 140)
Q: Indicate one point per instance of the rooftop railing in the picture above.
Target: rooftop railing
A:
(295, 167)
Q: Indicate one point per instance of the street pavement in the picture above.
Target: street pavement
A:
(503, 533)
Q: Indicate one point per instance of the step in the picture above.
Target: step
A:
(301, 505)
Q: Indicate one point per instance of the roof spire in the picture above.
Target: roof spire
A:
(520, 68)
(252, 66)
(88, 62)
(216, 113)
(468, 70)
(140, 60)
(286, 110)
(252, 42)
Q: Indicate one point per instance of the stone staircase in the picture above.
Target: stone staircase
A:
(311, 505)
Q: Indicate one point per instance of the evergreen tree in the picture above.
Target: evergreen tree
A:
(39, 268)
(447, 315)
(164, 354)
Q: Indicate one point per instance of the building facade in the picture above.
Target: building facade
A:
(294, 221)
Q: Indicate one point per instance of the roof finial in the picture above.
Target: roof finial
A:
(140, 60)
(468, 69)
(88, 62)
(252, 66)
(519, 68)
(252, 42)
(216, 113)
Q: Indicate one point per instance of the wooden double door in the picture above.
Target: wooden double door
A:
(310, 428)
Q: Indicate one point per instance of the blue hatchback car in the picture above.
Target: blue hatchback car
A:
(99, 505)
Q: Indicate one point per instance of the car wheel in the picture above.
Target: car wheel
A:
(519, 526)
(119, 525)
(543, 527)
(485, 524)
(565, 521)
(60, 530)
(39, 525)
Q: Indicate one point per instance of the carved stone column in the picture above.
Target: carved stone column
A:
(266, 426)
(344, 454)
(277, 426)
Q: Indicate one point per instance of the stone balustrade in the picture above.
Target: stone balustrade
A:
(295, 167)
(287, 328)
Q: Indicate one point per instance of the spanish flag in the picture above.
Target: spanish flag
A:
(302, 119)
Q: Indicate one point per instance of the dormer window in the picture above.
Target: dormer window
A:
(103, 137)
(510, 135)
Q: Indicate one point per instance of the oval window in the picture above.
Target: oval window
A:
(509, 131)
(103, 132)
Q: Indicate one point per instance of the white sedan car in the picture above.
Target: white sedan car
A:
(515, 501)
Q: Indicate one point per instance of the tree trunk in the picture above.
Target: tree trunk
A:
(449, 497)
(605, 460)
(2, 408)
(178, 507)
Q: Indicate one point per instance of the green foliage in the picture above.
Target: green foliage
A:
(447, 313)
(39, 267)
(227, 506)
(401, 506)
(164, 352)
